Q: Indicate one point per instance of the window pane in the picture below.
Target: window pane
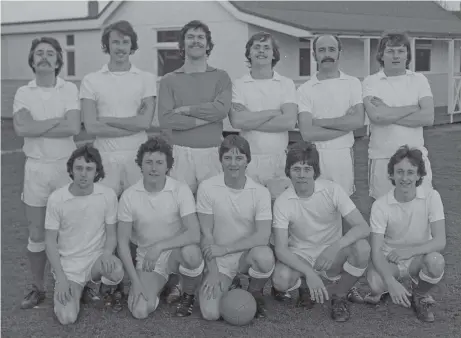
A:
(168, 36)
(304, 62)
(168, 61)
(70, 63)
(422, 60)
(70, 40)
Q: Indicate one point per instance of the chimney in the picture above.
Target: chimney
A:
(93, 9)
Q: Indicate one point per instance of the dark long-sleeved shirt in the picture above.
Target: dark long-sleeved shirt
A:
(209, 94)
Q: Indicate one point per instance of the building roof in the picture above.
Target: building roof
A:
(418, 18)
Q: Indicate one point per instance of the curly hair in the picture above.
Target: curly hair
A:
(263, 37)
(414, 156)
(53, 43)
(91, 155)
(393, 39)
(124, 28)
(304, 152)
(195, 24)
(235, 141)
(153, 145)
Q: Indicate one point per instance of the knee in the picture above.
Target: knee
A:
(192, 256)
(141, 309)
(210, 313)
(375, 281)
(117, 274)
(66, 315)
(283, 278)
(361, 250)
(434, 263)
(263, 258)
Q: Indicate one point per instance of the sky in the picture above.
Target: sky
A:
(13, 11)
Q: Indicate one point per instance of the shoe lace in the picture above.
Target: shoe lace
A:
(355, 293)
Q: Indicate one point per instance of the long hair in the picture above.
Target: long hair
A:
(153, 145)
(53, 43)
(263, 37)
(394, 39)
(195, 24)
(91, 155)
(414, 156)
(303, 152)
(124, 28)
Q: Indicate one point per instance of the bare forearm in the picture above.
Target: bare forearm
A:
(434, 245)
(110, 244)
(247, 243)
(420, 118)
(63, 129)
(390, 115)
(381, 265)
(353, 235)
(293, 261)
(125, 255)
(103, 130)
(55, 260)
(179, 240)
(132, 124)
(278, 124)
(344, 123)
(34, 128)
(247, 120)
(321, 134)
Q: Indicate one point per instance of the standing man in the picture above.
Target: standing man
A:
(118, 104)
(330, 109)
(309, 240)
(399, 104)
(46, 113)
(80, 233)
(264, 108)
(235, 218)
(193, 102)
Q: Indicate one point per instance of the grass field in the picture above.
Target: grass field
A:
(386, 320)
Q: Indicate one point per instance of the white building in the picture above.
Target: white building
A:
(436, 36)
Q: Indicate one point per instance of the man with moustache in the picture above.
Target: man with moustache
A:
(399, 104)
(235, 218)
(309, 240)
(46, 112)
(118, 103)
(80, 233)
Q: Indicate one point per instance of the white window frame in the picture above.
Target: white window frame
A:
(163, 46)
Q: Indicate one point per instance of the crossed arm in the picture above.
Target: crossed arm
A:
(272, 120)
(26, 126)
(420, 115)
(312, 133)
(354, 119)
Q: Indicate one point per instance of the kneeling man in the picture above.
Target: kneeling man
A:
(161, 211)
(80, 233)
(308, 235)
(407, 236)
(235, 218)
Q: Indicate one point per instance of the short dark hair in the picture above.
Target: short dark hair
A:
(124, 28)
(235, 141)
(195, 24)
(153, 145)
(304, 152)
(314, 43)
(393, 39)
(414, 156)
(91, 155)
(263, 36)
(53, 43)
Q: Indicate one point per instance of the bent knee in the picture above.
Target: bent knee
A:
(263, 257)
(283, 277)
(375, 281)
(361, 250)
(66, 315)
(192, 256)
(435, 263)
(209, 311)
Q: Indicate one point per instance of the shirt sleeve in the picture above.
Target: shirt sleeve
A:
(378, 219)
(263, 206)
(52, 216)
(86, 90)
(424, 88)
(356, 92)
(237, 94)
(72, 99)
(150, 85)
(343, 202)
(186, 201)
(281, 218)
(289, 92)
(111, 208)
(304, 100)
(436, 211)
(125, 209)
(204, 200)
(20, 100)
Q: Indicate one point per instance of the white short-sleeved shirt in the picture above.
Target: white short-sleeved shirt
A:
(408, 223)
(81, 220)
(259, 95)
(395, 91)
(43, 104)
(155, 216)
(235, 212)
(313, 223)
(329, 99)
(118, 94)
